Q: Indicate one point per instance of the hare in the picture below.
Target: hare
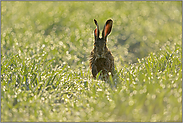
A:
(101, 58)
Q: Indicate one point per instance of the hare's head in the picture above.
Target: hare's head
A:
(100, 43)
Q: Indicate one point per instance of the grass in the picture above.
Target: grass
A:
(45, 75)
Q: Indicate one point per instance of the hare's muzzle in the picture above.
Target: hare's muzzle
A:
(100, 52)
(100, 55)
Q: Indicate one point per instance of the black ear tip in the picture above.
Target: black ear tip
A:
(95, 21)
(110, 20)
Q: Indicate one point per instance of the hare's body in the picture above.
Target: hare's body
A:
(105, 64)
(101, 57)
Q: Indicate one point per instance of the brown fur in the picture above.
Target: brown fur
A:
(101, 58)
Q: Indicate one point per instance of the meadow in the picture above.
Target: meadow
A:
(45, 49)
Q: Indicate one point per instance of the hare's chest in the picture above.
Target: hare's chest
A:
(102, 64)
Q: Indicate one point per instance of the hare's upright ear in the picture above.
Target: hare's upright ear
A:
(107, 28)
(96, 31)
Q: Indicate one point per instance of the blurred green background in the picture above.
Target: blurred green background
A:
(66, 28)
(45, 48)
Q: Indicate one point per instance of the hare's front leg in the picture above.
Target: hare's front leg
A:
(94, 70)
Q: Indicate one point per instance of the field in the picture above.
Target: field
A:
(45, 49)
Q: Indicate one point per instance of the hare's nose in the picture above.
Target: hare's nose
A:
(100, 55)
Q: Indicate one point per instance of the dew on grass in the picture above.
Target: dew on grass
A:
(4, 88)
(174, 85)
(153, 96)
(179, 99)
(162, 85)
(135, 92)
(131, 102)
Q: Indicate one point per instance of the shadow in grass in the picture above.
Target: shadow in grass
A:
(55, 27)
